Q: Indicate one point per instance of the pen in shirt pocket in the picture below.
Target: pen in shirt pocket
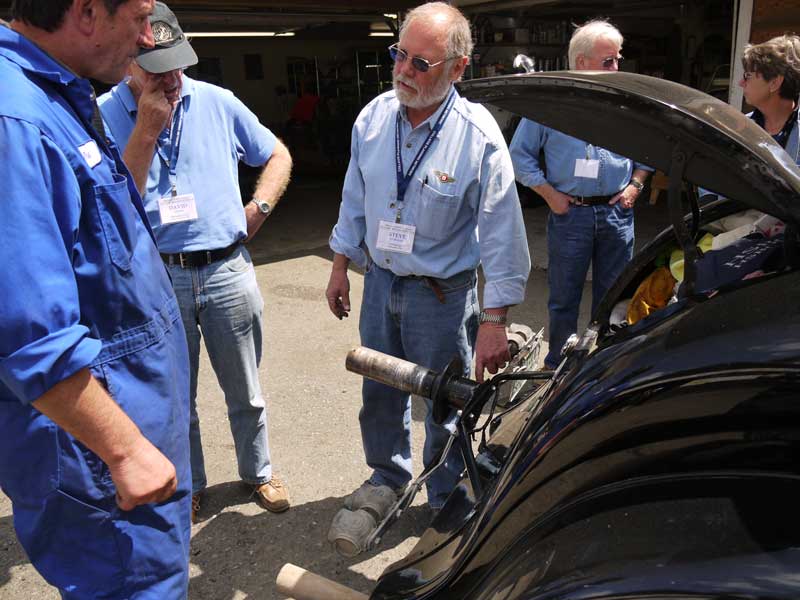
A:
(425, 181)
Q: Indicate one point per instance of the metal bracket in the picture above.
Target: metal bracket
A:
(682, 234)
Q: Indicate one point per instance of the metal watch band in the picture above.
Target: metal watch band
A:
(637, 184)
(485, 317)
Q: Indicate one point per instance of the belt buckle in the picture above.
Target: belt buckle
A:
(208, 257)
(182, 260)
(579, 201)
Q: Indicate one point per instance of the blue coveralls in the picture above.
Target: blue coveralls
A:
(83, 287)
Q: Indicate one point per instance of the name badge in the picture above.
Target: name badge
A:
(90, 153)
(396, 237)
(176, 209)
(587, 167)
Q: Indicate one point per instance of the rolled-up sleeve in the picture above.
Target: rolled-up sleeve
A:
(528, 140)
(348, 234)
(505, 258)
(42, 340)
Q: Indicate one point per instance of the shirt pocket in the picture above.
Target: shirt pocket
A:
(435, 213)
(117, 219)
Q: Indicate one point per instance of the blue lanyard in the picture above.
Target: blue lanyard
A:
(175, 146)
(404, 179)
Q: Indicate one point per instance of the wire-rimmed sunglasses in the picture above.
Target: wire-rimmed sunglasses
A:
(611, 60)
(748, 75)
(420, 64)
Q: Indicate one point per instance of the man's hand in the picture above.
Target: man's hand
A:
(144, 475)
(338, 292)
(491, 351)
(626, 198)
(153, 110)
(254, 217)
(557, 201)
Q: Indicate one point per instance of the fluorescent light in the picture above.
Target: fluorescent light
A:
(381, 34)
(214, 34)
(390, 15)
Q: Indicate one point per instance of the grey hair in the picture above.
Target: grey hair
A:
(459, 36)
(778, 56)
(585, 37)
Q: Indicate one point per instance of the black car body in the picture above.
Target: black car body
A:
(660, 460)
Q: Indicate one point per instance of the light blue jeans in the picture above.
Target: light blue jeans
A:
(222, 302)
(402, 316)
(602, 235)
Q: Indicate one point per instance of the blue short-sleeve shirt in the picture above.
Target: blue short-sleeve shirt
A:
(218, 131)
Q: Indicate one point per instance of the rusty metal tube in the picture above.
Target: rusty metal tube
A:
(391, 371)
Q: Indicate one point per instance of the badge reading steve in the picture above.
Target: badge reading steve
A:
(176, 209)
(395, 237)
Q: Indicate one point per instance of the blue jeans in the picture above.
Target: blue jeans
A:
(402, 316)
(222, 302)
(602, 235)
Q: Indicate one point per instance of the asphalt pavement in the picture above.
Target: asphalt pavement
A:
(238, 549)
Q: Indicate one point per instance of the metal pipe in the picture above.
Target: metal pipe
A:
(391, 371)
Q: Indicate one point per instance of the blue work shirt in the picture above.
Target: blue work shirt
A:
(561, 151)
(83, 287)
(218, 132)
(462, 198)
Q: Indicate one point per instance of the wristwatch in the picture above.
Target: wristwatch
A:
(637, 184)
(485, 317)
(263, 207)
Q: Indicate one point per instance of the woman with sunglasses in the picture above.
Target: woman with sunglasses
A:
(771, 84)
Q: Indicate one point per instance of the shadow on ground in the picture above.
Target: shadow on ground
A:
(11, 553)
(234, 554)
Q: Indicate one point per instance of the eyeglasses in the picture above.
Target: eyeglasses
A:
(611, 60)
(748, 75)
(420, 64)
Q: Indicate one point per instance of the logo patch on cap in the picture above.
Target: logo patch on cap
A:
(163, 33)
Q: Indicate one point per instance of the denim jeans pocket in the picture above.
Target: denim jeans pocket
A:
(117, 219)
(238, 262)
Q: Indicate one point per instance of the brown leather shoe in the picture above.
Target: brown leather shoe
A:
(272, 495)
(195, 508)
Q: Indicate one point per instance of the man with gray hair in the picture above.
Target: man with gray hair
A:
(429, 194)
(590, 191)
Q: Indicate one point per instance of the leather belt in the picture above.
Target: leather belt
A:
(199, 258)
(591, 200)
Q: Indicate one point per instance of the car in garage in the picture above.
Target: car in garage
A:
(661, 460)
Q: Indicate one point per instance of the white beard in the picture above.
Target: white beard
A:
(422, 99)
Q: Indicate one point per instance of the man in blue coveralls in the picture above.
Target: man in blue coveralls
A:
(94, 382)
(429, 194)
(590, 192)
(182, 140)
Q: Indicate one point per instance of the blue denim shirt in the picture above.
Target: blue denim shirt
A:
(218, 132)
(462, 198)
(561, 151)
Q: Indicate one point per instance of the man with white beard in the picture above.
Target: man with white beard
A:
(429, 194)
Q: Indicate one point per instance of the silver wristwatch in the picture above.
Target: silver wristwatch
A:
(485, 317)
(637, 184)
(263, 207)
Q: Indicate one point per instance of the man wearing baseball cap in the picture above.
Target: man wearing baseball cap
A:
(181, 140)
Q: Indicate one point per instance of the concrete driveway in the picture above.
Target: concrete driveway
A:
(316, 447)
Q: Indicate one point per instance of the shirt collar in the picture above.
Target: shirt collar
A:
(432, 119)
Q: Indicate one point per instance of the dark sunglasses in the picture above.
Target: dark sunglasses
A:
(420, 64)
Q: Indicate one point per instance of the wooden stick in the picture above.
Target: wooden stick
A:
(304, 585)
